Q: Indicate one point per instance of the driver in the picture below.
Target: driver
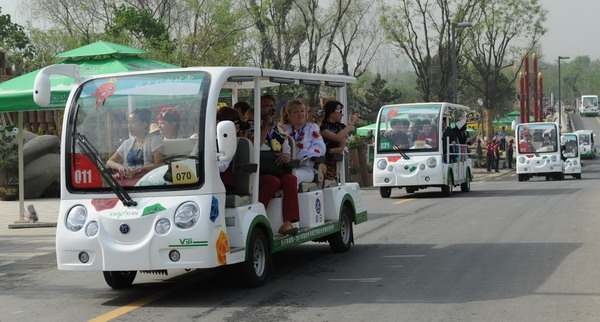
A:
(398, 134)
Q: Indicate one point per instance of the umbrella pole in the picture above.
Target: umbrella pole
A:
(21, 169)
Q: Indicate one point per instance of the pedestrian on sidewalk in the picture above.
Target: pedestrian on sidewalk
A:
(479, 151)
(502, 136)
(497, 154)
(489, 151)
(509, 153)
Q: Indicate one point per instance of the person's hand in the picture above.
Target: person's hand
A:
(266, 123)
(123, 170)
(282, 158)
(355, 117)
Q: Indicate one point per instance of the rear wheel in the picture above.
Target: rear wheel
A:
(466, 186)
(254, 269)
(385, 192)
(577, 176)
(119, 279)
(342, 240)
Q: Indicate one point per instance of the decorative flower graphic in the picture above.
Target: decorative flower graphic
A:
(104, 204)
(275, 145)
(315, 135)
(222, 245)
(150, 210)
(318, 151)
(299, 145)
(214, 209)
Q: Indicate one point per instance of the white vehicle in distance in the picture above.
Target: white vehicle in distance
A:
(180, 215)
(587, 149)
(538, 153)
(412, 152)
(570, 152)
(588, 105)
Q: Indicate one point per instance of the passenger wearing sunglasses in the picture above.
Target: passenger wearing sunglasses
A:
(334, 133)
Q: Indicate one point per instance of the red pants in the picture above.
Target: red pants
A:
(270, 184)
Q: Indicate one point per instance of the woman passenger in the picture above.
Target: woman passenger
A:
(169, 121)
(334, 133)
(140, 153)
(307, 138)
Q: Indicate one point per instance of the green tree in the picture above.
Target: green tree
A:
(14, 41)
(501, 28)
(421, 30)
(375, 97)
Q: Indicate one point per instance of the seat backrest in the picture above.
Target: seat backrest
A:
(243, 155)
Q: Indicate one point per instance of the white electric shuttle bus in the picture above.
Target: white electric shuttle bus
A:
(412, 152)
(588, 105)
(538, 153)
(179, 215)
(587, 149)
(571, 157)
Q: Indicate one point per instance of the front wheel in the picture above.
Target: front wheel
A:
(119, 279)
(577, 176)
(342, 240)
(385, 192)
(448, 189)
(254, 269)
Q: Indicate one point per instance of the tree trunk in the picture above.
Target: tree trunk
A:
(489, 128)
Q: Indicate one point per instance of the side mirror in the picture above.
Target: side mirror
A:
(226, 140)
(42, 86)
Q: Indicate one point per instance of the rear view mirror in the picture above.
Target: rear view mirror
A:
(226, 140)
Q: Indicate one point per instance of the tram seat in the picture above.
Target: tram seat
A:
(244, 166)
(339, 164)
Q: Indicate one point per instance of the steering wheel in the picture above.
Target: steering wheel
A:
(170, 158)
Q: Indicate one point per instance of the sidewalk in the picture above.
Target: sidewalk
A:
(24, 243)
(481, 174)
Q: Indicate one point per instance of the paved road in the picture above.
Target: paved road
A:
(506, 251)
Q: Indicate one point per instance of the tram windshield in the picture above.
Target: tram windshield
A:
(409, 127)
(537, 138)
(146, 130)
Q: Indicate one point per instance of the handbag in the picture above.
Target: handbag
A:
(268, 164)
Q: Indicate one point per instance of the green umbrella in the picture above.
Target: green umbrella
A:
(95, 59)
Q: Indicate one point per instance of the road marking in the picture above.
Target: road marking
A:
(597, 119)
(401, 201)
(364, 280)
(402, 256)
(135, 304)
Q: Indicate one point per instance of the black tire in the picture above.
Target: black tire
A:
(448, 189)
(560, 176)
(254, 270)
(521, 177)
(385, 192)
(577, 176)
(119, 279)
(341, 241)
(410, 189)
(466, 186)
(547, 177)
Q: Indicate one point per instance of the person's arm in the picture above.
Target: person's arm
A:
(338, 137)
(116, 162)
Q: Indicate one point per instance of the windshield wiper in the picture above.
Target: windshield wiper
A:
(89, 151)
(403, 154)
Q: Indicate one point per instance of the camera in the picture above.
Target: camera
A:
(320, 112)
(244, 126)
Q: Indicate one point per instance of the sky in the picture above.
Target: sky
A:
(572, 26)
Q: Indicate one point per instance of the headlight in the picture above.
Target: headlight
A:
(162, 226)
(92, 229)
(522, 159)
(76, 218)
(187, 215)
(432, 162)
(381, 164)
(421, 166)
(554, 158)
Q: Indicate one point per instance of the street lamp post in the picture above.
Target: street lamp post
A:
(559, 103)
(454, 26)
